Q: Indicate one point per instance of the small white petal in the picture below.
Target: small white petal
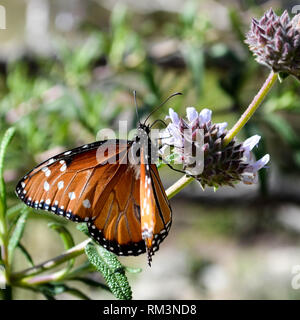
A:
(251, 142)
(164, 151)
(205, 116)
(191, 114)
(176, 136)
(261, 163)
(173, 116)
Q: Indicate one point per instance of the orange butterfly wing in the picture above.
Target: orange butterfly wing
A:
(121, 224)
(71, 183)
(81, 186)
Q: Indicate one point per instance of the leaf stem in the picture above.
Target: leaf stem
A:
(268, 84)
(50, 264)
(7, 292)
(178, 186)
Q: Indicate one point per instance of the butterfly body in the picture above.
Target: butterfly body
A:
(122, 201)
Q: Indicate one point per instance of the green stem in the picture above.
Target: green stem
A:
(7, 292)
(252, 107)
(178, 186)
(74, 252)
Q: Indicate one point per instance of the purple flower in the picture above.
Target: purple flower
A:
(275, 41)
(198, 145)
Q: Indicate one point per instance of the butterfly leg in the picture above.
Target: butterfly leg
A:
(171, 167)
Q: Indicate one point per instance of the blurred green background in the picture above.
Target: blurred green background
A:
(68, 69)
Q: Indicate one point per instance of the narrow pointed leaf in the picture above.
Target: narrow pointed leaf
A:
(67, 241)
(17, 233)
(26, 253)
(64, 234)
(91, 282)
(15, 210)
(83, 228)
(112, 270)
(3, 146)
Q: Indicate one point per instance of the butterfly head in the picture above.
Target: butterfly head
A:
(143, 129)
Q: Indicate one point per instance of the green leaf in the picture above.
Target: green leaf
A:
(68, 242)
(283, 128)
(133, 270)
(82, 269)
(48, 296)
(83, 228)
(194, 57)
(282, 76)
(112, 270)
(12, 223)
(3, 146)
(15, 210)
(50, 290)
(26, 253)
(64, 234)
(17, 233)
(77, 293)
(91, 282)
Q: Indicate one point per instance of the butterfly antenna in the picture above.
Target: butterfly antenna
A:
(171, 96)
(136, 106)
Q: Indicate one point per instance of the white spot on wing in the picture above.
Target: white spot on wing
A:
(51, 161)
(72, 195)
(47, 173)
(60, 185)
(46, 186)
(86, 203)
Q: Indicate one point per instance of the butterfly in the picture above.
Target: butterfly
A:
(124, 204)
